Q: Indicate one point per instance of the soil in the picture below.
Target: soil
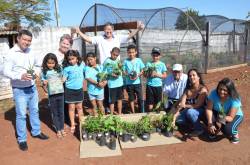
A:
(192, 151)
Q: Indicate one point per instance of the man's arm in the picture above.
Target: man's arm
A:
(133, 33)
(84, 36)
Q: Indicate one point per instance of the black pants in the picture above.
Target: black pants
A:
(106, 97)
(135, 90)
(56, 103)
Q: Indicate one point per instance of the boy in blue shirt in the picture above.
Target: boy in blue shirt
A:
(133, 69)
(156, 73)
(112, 67)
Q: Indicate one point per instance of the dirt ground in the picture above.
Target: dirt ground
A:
(193, 151)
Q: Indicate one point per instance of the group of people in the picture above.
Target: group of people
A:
(63, 73)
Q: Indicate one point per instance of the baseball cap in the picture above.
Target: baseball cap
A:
(156, 50)
(177, 67)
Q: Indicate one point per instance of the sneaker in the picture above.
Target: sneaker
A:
(196, 133)
(107, 110)
(211, 136)
(235, 139)
(23, 146)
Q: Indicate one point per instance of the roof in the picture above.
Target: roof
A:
(7, 31)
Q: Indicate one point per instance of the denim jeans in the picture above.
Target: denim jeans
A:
(57, 110)
(191, 116)
(26, 97)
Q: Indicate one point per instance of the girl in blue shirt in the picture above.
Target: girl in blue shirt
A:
(52, 83)
(224, 110)
(73, 72)
(95, 87)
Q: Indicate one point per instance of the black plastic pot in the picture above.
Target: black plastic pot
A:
(84, 136)
(145, 136)
(158, 129)
(133, 138)
(112, 143)
(90, 136)
(102, 141)
(126, 137)
(99, 135)
(168, 133)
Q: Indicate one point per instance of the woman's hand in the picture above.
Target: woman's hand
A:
(212, 129)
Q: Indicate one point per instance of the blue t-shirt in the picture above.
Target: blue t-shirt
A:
(160, 69)
(91, 73)
(228, 104)
(109, 64)
(74, 75)
(133, 65)
(55, 83)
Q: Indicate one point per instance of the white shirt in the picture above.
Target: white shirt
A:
(174, 89)
(105, 46)
(59, 56)
(17, 62)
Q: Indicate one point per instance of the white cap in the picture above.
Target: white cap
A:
(177, 67)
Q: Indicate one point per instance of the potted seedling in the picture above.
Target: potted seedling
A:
(132, 74)
(30, 70)
(126, 126)
(149, 70)
(221, 116)
(101, 76)
(156, 121)
(167, 125)
(144, 128)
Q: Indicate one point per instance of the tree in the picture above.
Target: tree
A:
(185, 23)
(28, 12)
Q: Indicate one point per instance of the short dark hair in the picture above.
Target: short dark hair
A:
(67, 37)
(91, 54)
(115, 49)
(229, 84)
(24, 32)
(132, 46)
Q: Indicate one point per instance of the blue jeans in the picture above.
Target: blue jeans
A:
(26, 97)
(191, 116)
(57, 110)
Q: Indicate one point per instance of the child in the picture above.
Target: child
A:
(156, 71)
(112, 67)
(73, 72)
(52, 82)
(133, 69)
(95, 85)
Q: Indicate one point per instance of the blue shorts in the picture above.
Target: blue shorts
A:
(96, 97)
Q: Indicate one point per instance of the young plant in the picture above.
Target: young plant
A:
(144, 125)
(167, 122)
(221, 115)
(149, 70)
(101, 76)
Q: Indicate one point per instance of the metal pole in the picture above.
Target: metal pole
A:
(234, 50)
(95, 24)
(57, 13)
(246, 45)
(206, 44)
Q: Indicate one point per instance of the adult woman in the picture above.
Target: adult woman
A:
(224, 110)
(192, 103)
(65, 44)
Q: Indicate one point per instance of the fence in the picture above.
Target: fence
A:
(203, 42)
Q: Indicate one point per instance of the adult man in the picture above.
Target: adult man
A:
(19, 65)
(108, 41)
(174, 85)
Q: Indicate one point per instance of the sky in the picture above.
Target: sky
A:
(72, 11)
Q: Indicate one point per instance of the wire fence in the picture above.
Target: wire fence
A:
(183, 37)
